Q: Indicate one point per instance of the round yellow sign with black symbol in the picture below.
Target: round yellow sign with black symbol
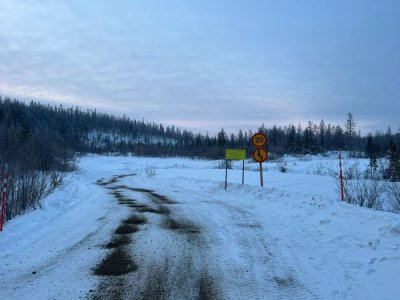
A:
(259, 139)
(260, 155)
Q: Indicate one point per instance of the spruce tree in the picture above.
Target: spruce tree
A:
(372, 169)
(369, 149)
(350, 132)
(394, 162)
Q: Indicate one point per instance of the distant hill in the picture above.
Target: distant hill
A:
(38, 143)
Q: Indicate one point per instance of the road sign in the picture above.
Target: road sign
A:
(260, 155)
(259, 139)
(232, 154)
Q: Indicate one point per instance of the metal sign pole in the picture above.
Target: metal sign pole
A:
(226, 173)
(261, 175)
(243, 173)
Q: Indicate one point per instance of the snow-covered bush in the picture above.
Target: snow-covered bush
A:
(352, 171)
(150, 171)
(26, 188)
(282, 167)
(222, 164)
(358, 190)
(319, 169)
(364, 192)
(393, 191)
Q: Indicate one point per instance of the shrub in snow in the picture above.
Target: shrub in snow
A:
(319, 169)
(26, 187)
(352, 172)
(222, 164)
(396, 229)
(361, 191)
(282, 167)
(150, 171)
(393, 191)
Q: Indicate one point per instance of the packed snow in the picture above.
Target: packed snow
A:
(291, 239)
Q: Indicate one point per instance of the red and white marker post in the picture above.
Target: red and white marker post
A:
(3, 198)
(341, 176)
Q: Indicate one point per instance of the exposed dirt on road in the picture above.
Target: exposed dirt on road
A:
(182, 226)
(118, 241)
(161, 251)
(126, 229)
(117, 263)
(126, 274)
(136, 220)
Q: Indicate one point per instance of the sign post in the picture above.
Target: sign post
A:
(226, 173)
(259, 140)
(243, 172)
(260, 155)
(234, 154)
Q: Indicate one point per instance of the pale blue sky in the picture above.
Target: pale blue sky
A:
(208, 64)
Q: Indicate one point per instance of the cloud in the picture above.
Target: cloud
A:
(204, 65)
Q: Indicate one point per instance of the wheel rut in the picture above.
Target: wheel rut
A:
(129, 272)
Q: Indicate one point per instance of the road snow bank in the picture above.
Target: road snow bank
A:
(292, 238)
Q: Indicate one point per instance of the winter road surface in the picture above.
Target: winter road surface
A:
(164, 249)
(114, 232)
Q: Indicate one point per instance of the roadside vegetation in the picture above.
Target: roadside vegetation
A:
(39, 144)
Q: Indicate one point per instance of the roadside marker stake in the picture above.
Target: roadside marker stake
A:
(341, 176)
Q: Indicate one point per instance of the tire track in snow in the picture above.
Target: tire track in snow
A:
(248, 256)
(260, 269)
(118, 262)
(181, 256)
(180, 275)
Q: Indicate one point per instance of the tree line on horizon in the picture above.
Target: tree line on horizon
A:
(39, 142)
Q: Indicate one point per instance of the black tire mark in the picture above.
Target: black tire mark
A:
(164, 280)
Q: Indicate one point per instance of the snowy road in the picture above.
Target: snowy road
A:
(165, 250)
(115, 233)
(175, 250)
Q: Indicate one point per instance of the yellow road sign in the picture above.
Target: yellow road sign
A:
(260, 155)
(235, 154)
(259, 139)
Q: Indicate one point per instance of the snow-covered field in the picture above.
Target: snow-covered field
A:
(192, 239)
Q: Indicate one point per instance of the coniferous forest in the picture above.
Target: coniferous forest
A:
(38, 143)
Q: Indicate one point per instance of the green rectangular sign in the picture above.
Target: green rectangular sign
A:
(232, 154)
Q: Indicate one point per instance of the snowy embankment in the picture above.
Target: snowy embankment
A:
(291, 239)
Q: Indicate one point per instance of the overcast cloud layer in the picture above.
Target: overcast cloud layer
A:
(206, 65)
